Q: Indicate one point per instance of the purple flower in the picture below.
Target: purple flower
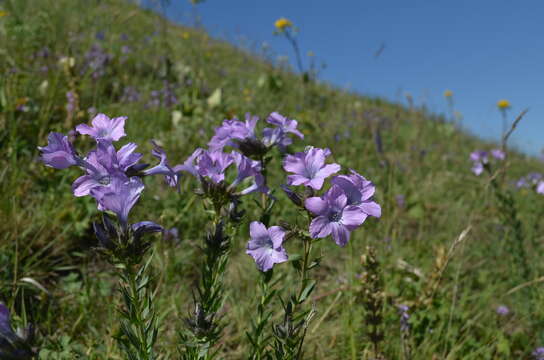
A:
(103, 164)
(540, 188)
(171, 235)
(163, 167)
(104, 128)
(498, 154)
(479, 159)
(285, 124)
(530, 179)
(119, 197)
(502, 310)
(13, 346)
(334, 215)
(213, 164)
(275, 136)
(71, 104)
(404, 317)
(130, 95)
(359, 192)
(309, 168)
(233, 130)
(96, 61)
(59, 152)
(248, 168)
(538, 353)
(401, 200)
(190, 165)
(265, 245)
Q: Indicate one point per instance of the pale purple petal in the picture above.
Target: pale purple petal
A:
(257, 230)
(127, 157)
(119, 197)
(59, 152)
(371, 208)
(340, 234)
(104, 128)
(540, 187)
(352, 217)
(82, 185)
(276, 234)
(316, 205)
(320, 227)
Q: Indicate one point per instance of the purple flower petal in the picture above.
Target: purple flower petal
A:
(120, 197)
(265, 245)
(104, 128)
(340, 234)
(316, 205)
(371, 208)
(59, 152)
(320, 227)
(309, 168)
(352, 217)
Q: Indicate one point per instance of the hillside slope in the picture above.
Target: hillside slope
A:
(64, 60)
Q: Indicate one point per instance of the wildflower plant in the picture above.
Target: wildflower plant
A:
(114, 179)
(284, 27)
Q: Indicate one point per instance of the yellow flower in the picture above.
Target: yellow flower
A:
(3, 13)
(448, 93)
(282, 23)
(185, 35)
(503, 104)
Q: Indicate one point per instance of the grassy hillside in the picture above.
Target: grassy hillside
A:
(62, 61)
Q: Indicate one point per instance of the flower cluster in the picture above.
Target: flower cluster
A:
(343, 208)
(112, 177)
(96, 61)
(339, 211)
(480, 159)
(241, 134)
(210, 166)
(533, 180)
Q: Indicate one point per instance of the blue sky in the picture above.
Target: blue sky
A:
(482, 50)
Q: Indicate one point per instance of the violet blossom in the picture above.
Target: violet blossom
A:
(119, 197)
(59, 152)
(104, 128)
(231, 130)
(502, 310)
(479, 160)
(309, 168)
(213, 164)
(103, 164)
(359, 192)
(163, 167)
(498, 154)
(242, 134)
(334, 216)
(265, 245)
(285, 124)
(538, 354)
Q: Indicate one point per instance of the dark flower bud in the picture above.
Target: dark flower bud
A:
(292, 195)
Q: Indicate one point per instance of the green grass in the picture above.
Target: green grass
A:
(46, 233)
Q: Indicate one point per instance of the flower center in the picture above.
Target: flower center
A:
(105, 180)
(335, 216)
